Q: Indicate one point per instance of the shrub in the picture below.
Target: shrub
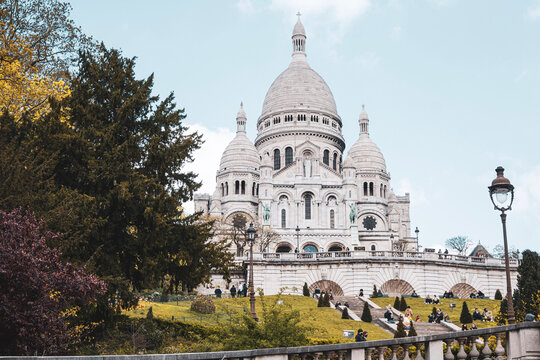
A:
(203, 305)
(366, 313)
(412, 330)
(326, 300)
(402, 304)
(397, 304)
(305, 289)
(502, 316)
(150, 314)
(375, 293)
(345, 313)
(320, 302)
(465, 317)
(498, 295)
(400, 333)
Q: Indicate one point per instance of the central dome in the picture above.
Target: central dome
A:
(299, 87)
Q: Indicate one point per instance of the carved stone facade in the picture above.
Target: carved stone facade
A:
(295, 170)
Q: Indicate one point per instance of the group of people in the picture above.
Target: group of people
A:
(464, 327)
(318, 292)
(486, 315)
(361, 335)
(432, 300)
(448, 294)
(479, 295)
(438, 316)
(242, 291)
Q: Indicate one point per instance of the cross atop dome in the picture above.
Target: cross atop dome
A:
(299, 37)
(363, 121)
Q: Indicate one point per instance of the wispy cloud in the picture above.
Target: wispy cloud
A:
(395, 32)
(207, 157)
(334, 17)
(533, 12)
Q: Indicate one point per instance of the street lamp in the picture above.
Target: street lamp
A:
(297, 239)
(498, 192)
(417, 231)
(251, 238)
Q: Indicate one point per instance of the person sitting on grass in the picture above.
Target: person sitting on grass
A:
(480, 295)
(408, 311)
(473, 327)
(487, 315)
(464, 327)
(436, 299)
(414, 294)
(446, 318)
(406, 322)
(428, 300)
(418, 319)
(439, 316)
(476, 315)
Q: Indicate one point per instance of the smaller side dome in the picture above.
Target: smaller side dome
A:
(240, 154)
(364, 153)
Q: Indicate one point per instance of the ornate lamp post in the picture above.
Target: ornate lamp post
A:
(498, 191)
(297, 239)
(251, 238)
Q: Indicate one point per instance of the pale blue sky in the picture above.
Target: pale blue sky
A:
(451, 88)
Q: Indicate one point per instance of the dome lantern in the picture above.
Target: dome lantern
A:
(363, 121)
(299, 39)
(241, 119)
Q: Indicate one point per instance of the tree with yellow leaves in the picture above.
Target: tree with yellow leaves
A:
(38, 44)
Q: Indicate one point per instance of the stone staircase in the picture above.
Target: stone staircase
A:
(356, 304)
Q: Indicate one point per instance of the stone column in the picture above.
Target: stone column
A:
(434, 350)
(358, 354)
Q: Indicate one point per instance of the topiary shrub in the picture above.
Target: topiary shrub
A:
(397, 304)
(502, 315)
(345, 313)
(326, 300)
(412, 331)
(402, 304)
(465, 317)
(305, 290)
(150, 314)
(498, 295)
(320, 302)
(375, 293)
(203, 305)
(400, 333)
(366, 313)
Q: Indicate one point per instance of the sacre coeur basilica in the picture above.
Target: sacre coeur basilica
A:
(325, 218)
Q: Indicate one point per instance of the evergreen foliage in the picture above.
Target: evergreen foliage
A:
(498, 295)
(402, 304)
(502, 316)
(305, 290)
(412, 330)
(465, 317)
(400, 332)
(366, 313)
(375, 293)
(320, 301)
(397, 303)
(279, 327)
(326, 300)
(528, 285)
(150, 314)
(345, 313)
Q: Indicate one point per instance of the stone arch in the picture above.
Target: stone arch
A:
(462, 290)
(334, 245)
(396, 287)
(327, 285)
(282, 245)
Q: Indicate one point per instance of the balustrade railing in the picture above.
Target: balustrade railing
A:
(360, 254)
(518, 341)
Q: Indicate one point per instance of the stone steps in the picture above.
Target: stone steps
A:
(356, 304)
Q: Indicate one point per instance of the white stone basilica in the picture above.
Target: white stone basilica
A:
(294, 177)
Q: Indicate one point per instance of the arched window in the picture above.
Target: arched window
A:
(370, 189)
(372, 247)
(283, 218)
(334, 162)
(310, 248)
(283, 248)
(326, 158)
(253, 190)
(307, 205)
(277, 160)
(332, 220)
(365, 189)
(237, 187)
(385, 191)
(380, 191)
(222, 190)
(288, 156)
(335, 247)
(257, 191)
(226, 188)
(243, 187)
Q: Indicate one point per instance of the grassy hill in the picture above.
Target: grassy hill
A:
(326, 323)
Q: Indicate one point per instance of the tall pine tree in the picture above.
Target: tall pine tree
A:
(528, 284)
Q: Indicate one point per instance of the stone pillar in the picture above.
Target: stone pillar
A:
(272, 357)
(358, 354)
(434, 350)
(523, 344)
(354, 236)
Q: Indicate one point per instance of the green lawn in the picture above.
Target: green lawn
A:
(419, 308)
(326, 322)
